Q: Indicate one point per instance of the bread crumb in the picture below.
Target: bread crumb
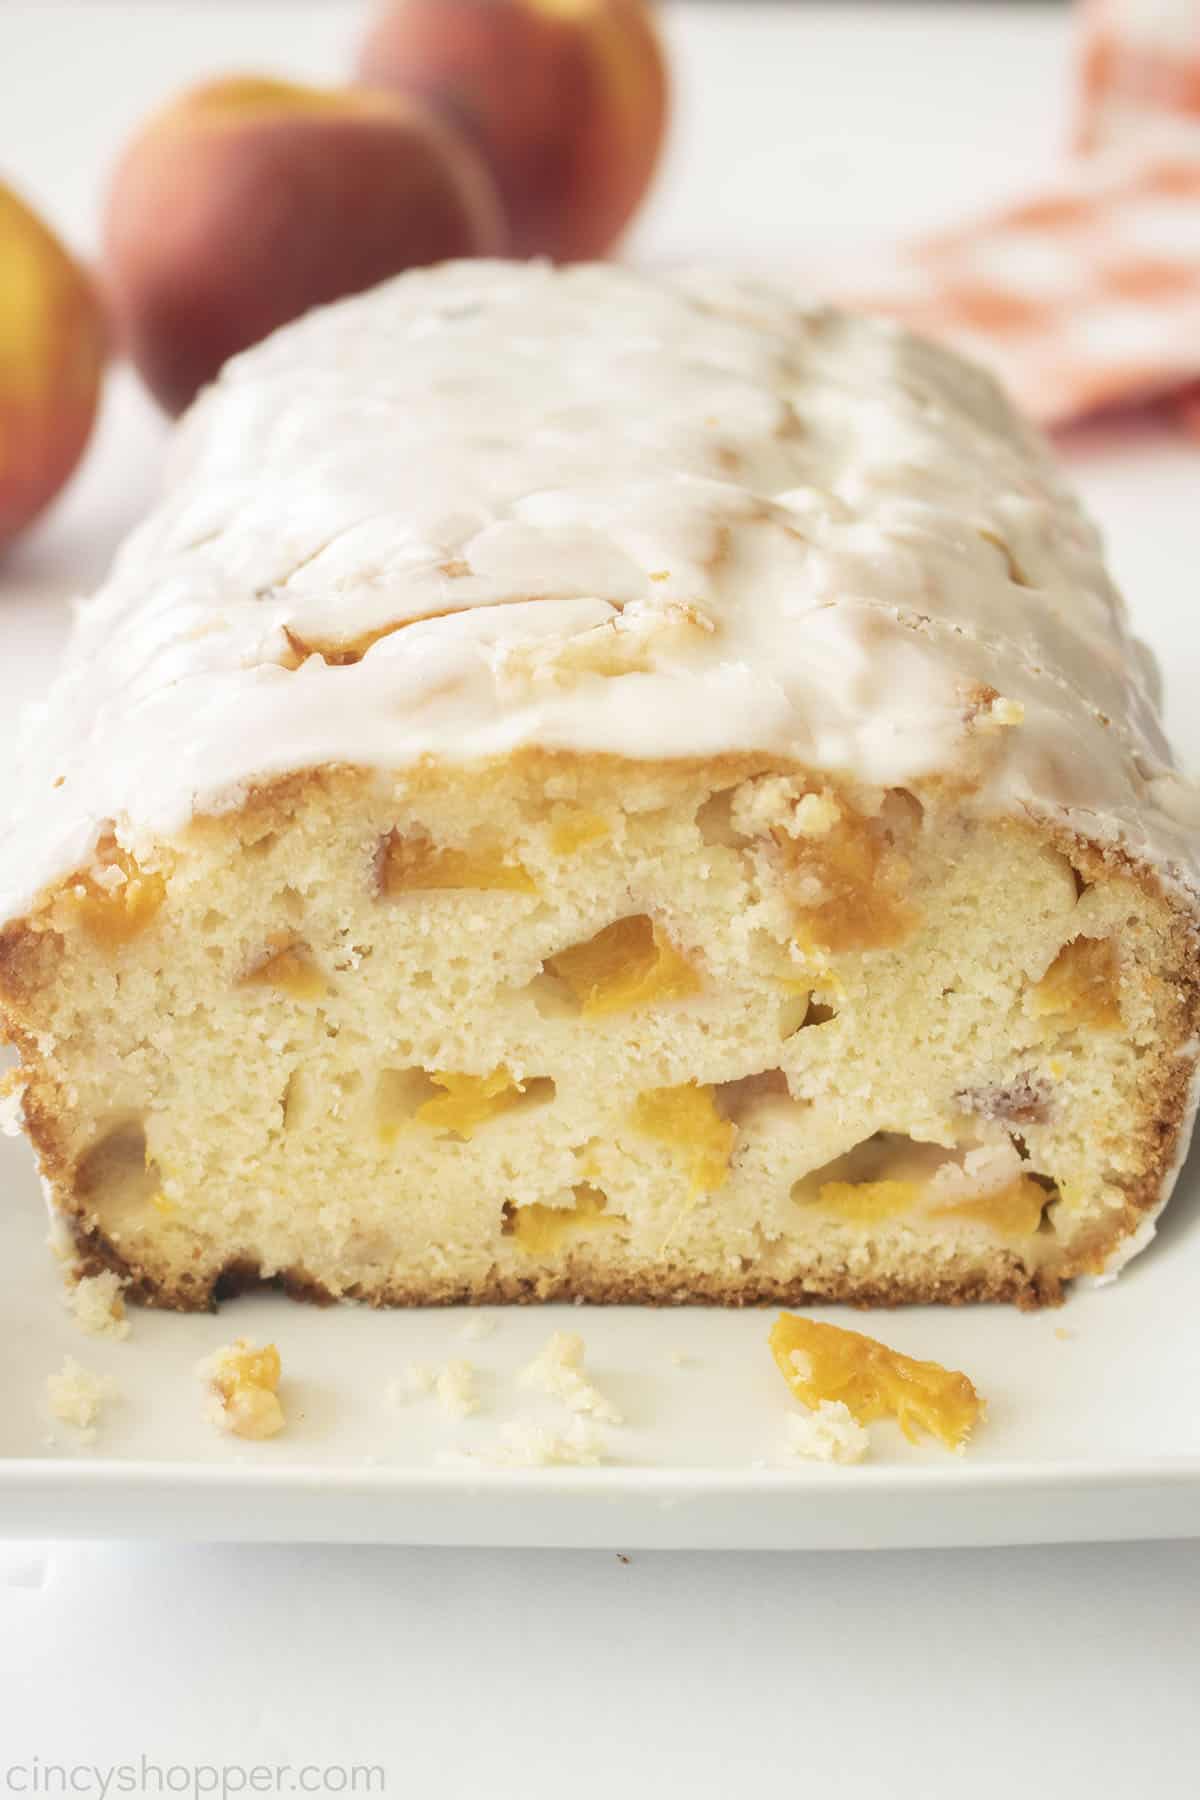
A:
(419, 1378)
(1060, 1331)
(681, 1359)
(12, 1100)
(557, 1370)
(456, 1389)
(243, 1383)
(478, 1328)
(529, 1446)
(815, 816)
(98, 1306)
(1004, 712)
(454, 1385)
(829, 1434)
(76, 1395)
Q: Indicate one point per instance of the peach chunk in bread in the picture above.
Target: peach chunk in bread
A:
(468, 1101)
(393, 1039)
(408, 864)
(1082, 985)
(288, 966)
(825, 1362)
(541, 1229)
(893, 1177)
(848, 877)
(686, 1119)
(116, 899)
(630, 963)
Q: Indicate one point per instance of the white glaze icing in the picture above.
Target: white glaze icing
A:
(663, 517)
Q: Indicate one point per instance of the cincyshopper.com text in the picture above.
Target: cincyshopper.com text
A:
(145, 1778)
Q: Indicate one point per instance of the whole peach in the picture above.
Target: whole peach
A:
(250, 200)
(52, 353)
(567, 100)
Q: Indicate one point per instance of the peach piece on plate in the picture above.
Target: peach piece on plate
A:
(52, 352)
(250, 200)
(828, 1363)
(567, 100)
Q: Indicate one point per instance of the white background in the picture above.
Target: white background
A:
(1065, 1671)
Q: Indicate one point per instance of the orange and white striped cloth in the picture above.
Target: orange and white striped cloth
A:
(1087, 295)
(1139, 68)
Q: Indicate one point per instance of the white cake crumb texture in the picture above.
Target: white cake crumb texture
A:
(829, 1434)
(558, 1370)
(456, 1389)
(97, 1304)
(526, 1445)
(76, 1395)
(454, 1384)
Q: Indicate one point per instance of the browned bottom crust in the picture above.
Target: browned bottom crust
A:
(1006, 1279)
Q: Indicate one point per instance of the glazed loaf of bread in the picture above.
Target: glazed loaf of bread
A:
(600, 786)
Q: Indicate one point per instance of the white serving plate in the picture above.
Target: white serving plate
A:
(1094, 1426)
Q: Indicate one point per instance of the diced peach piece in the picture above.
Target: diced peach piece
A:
(825, 1362)
(53, 343)
(413, 863)
(686, 1119)
(1013, 1211)
(290, 968)
(575, 830)
(857, 878)
(566, 99)
(630, 963)
(541, 1230)
(869, 1202)
(1082, 985)
(250, 200)
(469, 1100)
(119, 901)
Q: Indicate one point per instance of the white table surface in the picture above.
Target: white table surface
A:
(1065, 1672)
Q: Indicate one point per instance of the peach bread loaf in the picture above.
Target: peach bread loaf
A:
(603, 786)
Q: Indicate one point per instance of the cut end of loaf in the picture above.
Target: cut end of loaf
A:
(569, 1027)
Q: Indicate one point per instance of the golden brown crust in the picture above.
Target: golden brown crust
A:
(1006, 1279)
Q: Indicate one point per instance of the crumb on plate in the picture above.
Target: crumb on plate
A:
(528, 1446)
(97, 1304)
(453, 1384)
(829, 1433)
(558, 1370)
(76, 1395)
(243, 1383)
